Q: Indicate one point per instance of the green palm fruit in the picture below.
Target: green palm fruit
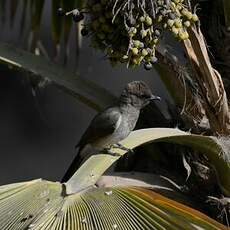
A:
(144, 52)
(187, 23)
(170, 22)
(143, 33)
(134, 51)
(148, 21)
(195, 18)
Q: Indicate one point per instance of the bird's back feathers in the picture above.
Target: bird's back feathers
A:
(103, 125)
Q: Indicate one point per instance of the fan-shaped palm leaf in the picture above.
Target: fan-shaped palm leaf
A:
(43, 205)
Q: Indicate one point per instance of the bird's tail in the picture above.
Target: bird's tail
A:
(76, 163)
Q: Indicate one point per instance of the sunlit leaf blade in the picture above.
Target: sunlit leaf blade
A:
(88, 174)
(86, 91)
(40, 204)
(90, 171)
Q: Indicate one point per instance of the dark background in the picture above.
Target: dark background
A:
(39, 129)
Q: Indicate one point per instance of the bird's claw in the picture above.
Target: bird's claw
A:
(122, 147)
(110, 152)
(117, 146)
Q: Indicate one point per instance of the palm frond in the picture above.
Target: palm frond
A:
(86, 91)
(43, 205)
(91, 171)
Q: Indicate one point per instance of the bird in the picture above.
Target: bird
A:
(113, 124)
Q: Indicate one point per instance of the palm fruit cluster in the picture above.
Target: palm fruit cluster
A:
(129, 30)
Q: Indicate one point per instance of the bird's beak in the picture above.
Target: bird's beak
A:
(153, 97)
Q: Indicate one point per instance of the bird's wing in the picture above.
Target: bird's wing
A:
(102, 125)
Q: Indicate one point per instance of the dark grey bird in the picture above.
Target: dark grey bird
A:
(113, 124)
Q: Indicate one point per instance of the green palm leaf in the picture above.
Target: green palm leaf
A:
(86, 91)
(91, 171)
(41, 204)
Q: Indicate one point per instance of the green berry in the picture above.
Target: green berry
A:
(178, 23)
(184, 12)
(142, 19)
(187, 23)
(183, 35)
(142, 45)
(144, 52)
(175, 30)
(195, 18)
(136, 61)
(179, 7)
(136, 43)
(148, 21)
(159, 18)
(170, 22)
(155, 41)
(173, 5)
(134, 51)
(143, 33)
(189, 15)
(132, 31)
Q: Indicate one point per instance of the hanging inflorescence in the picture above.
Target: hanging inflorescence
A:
(129, 30)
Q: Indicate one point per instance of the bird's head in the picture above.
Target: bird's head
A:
(138, 94)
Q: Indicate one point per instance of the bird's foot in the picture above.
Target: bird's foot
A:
(116, 146)
(110, 152)
(122, 147)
